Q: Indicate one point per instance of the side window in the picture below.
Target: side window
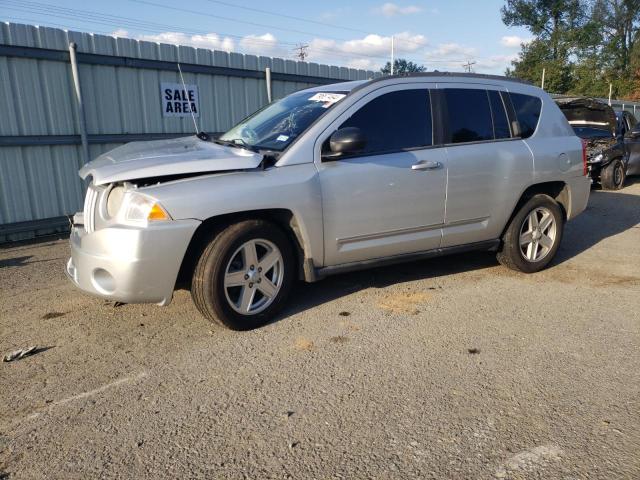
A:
(469, 115)
(500, 121)
(395, 121)
(527, 110)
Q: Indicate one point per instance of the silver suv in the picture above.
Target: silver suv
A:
(327, 180)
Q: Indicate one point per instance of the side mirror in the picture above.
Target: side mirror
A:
(345, 141)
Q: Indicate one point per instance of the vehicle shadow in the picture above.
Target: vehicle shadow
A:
(608, 214)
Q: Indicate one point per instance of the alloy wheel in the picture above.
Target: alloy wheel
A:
(537, 234)
(254, 276)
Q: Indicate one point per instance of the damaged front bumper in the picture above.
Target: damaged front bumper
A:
(129, 264)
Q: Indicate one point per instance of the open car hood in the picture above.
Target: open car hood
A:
(588, 112)
(159, 158)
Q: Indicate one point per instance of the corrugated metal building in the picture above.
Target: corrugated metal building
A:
(40, 144)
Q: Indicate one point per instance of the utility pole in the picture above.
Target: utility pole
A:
(392, 59)
(302, 52)
(610, 91)
(542, 83)
(467, 66)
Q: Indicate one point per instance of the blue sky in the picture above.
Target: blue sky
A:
(437, 33)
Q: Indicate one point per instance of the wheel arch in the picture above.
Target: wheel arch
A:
(210, 227)
(558, 190)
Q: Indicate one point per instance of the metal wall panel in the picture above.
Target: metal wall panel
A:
(37, 98)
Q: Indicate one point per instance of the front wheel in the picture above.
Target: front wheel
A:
(613, 175)
(533, 235)
(244, 275)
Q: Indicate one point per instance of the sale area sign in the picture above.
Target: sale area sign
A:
(179, 100)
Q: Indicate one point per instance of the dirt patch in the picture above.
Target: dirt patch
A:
(404, 302)
(303, 344)
(339, 339)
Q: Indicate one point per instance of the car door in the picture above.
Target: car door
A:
(390, 198)
(632, 142)
(487, 168)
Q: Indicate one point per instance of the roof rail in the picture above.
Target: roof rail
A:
(444, 74)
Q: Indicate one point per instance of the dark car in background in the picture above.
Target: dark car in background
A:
(629, 130)
(596, 123)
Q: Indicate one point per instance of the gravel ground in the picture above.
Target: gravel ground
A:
(450, 368)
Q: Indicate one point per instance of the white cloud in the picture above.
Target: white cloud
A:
(392, 9)
(266, 44)
(121, 32)
(404, 42)
(496, 63)
(210, 40)
(513, 41)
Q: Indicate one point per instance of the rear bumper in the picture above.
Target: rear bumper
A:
(130, 264)
(579, 191)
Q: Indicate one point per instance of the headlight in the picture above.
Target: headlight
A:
(140, 208)
(598, 158)
(114, 201)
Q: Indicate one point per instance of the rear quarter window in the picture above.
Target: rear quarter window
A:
(527, 109)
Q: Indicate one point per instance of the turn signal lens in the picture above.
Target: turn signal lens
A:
(157, 213)
(140, 208)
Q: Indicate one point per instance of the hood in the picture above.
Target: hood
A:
(159, 158)
(588, 112)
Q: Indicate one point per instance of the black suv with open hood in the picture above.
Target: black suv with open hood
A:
(595, 122)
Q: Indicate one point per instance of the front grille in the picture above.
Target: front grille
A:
(90, 204)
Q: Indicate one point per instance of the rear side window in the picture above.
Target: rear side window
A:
(395, 121)
(469, 115)
(500, 121)
(527, 110)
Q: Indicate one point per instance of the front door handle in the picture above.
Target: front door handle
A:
(426, 165)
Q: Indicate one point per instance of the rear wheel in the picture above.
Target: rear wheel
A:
(613, 175)
(533, 235)
(244, 275)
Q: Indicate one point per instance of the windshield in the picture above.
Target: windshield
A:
(278, 124)
(590, 132)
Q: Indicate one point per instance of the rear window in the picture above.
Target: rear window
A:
(527, 110)
(469, 115)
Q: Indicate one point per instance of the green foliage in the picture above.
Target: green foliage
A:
(401, 65)
(584, 45)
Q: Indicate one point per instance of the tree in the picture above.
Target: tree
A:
(537, 56)
(560, 31)
(400, 65)
(554, 22)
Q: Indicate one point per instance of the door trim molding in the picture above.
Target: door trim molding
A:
(489, 245)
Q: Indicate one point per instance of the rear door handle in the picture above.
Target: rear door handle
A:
(426, 165)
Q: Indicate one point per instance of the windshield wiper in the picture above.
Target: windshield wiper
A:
(236, 143)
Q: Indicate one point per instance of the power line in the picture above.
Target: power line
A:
(302, 51)
(119, 21)
(467, 66)
(282, 15)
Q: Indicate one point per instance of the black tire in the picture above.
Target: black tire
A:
(510, 253)
(208, 289)
(613, 175)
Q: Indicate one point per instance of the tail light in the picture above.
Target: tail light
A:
(585, 170)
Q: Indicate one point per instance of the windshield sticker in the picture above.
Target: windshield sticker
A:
(282, 138)
(327, 98)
